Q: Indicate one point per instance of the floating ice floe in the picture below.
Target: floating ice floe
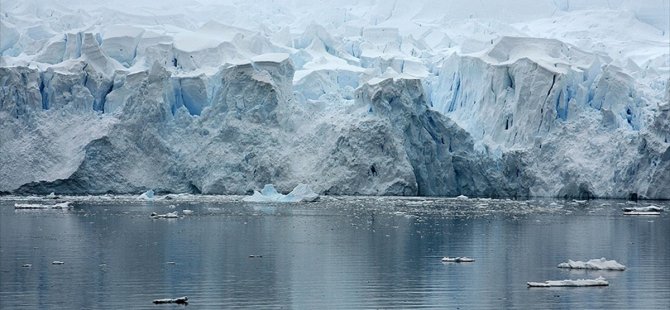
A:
(187, 212)
(641, 213)
(301, 193)
(178, 300)
(600, 281)
(595, 264)
(457, 259)
(148, 195)
(27, 265)
(462, 197)
(57, 262)
(170, 215)
(36, 206)
(650, 208)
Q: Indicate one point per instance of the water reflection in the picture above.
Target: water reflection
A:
(365, 253)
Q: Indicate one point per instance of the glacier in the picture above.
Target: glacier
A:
(549, 99)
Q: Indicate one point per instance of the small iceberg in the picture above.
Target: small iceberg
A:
(57, 262)
(462, 197)
(178, 300)
(594, 264)
(187, 212)
(36, 206)
(641, 213)
(600, 281)
(459, 259)
(52, 196)
(301, 193)
(170, 215)
(651, 208)
(148, 195)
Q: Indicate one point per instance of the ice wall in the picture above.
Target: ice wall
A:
(508, 99)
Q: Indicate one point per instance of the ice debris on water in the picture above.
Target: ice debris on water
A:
(650, 208)
(462, 197)
(52, 195)
(641, 213)
(600, 281)
(187, 212)
(595, 264)
(148, 195)
(36, 206)
(27, 265)
(301, 193)
(170, 215)
(178, 300)
(57, 262)
(458, 259)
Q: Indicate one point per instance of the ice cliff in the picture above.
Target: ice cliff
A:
(369, 99)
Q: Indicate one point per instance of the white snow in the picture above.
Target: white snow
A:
(271, 57)
(595, 264)
(600, 281)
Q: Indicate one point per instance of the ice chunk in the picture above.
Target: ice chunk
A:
(600, 281)
(462, 197)
(36, 206)
(641, 213)
(187, 212)
(52, 196)
(170, 215)
(178, 300)
(301, 193)
(459, 259)
(650, 208)
(148, 195)
(57, 262)
(596, 264)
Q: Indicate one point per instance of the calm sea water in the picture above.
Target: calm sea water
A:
(337, 253)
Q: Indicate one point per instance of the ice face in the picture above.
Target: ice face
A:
(530, 98)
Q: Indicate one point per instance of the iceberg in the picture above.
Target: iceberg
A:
(594, 264)
(178, 300)
(641, 213)
(600, 281)
(301, 193)
(457, 259)
(169, 215)
(148, 195)
(36, 206)
(651, 208)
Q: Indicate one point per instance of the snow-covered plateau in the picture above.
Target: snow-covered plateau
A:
(553, 98)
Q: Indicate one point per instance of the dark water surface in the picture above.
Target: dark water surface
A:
(337, 253)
